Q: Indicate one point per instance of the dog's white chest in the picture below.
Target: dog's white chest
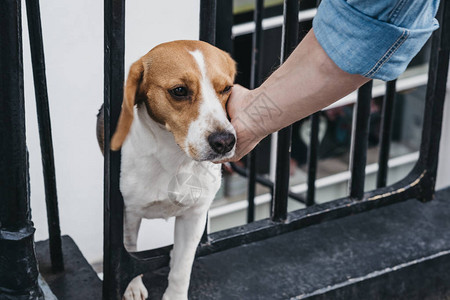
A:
(157, 179)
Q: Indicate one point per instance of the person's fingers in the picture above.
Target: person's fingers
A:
(237, 100)
(246, 140)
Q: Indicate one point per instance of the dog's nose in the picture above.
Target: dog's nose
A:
(221, 142)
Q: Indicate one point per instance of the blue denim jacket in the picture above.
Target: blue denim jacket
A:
(374, 38)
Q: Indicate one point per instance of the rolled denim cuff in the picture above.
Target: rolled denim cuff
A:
(360, 44)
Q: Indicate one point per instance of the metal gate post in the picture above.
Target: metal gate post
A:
(18, 267)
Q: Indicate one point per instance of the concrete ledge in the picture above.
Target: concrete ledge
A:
(78, 281)
(401, 251)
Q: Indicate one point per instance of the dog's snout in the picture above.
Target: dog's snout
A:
(221, 142)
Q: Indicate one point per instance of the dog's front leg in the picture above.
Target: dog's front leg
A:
(131, 223)
(188, 231)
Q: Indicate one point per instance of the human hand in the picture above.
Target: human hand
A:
(248, 133)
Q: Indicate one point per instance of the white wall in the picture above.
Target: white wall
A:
(73, 41)
(443, 176)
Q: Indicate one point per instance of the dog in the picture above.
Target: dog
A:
(172, 127)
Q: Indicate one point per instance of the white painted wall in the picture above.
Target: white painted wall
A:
(443, 176)
(73, 40)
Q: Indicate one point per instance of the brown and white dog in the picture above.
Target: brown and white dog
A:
(172, 126)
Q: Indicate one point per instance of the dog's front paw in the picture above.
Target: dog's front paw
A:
(171, 295)
(135, 290)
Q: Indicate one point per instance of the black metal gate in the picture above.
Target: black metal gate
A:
(18, 269)
(121, 266)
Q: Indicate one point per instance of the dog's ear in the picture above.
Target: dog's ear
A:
(129, 100)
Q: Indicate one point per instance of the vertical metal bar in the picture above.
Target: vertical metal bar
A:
(114, 18)
(386, 130)
(290, 28)
(45, 132)
(224, 25)
(434, 104)
(19, 272)
(312, 158)
(313, 154)
(208, 14)
(208, 9)
(256, 44)
(281, 189)
(251, 185)
(360, 134)
(254, 82)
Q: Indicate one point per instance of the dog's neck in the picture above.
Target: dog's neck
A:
(153, 147)
(148, 137)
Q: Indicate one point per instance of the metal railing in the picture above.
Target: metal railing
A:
(388, 92)
(18, 266)
(121, 266)
(16, 229)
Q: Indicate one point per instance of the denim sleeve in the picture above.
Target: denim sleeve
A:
(376, 39)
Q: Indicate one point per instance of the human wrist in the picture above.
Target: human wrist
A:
(263, 112)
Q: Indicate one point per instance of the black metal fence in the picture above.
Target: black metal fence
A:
(16, 232)
(18, 267)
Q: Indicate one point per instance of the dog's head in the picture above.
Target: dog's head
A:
(184, 85)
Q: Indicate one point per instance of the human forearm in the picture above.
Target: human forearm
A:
(375, 40)
(307, 82)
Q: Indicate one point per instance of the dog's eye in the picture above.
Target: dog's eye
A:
(179, 92)
(227, 89)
